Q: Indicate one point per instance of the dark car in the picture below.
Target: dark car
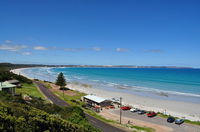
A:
(141, 112)
(179, 121)
(151, 114)
(170, 119)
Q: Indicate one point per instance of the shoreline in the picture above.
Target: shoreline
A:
(18, 71)
(175, 108)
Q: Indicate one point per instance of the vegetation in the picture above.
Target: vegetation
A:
(141, 129)
(61, 80)
(30, 89)
(35, 115)
(7, 75)
(9, 66)
(72, 100)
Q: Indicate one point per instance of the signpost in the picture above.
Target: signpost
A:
(120, 120)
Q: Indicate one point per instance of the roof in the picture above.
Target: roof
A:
(6, 85)
(13, 81)
(95, 98)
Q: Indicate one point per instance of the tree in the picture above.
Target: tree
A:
(61, 81)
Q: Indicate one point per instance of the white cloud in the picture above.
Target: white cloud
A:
(11, 47)
(74, 49)
(97, 49)
(121, 50)
(155, 51)
(26, 53)
(39, 48)
(8, 41)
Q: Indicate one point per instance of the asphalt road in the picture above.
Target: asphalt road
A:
(158, 120)
(95, 122)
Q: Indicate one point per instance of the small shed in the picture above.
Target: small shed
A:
(94, 101)
(7, 87)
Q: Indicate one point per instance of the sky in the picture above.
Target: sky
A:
(101, 32)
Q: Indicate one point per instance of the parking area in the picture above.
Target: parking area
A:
(157, 120)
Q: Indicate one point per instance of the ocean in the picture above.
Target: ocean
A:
(161, 83)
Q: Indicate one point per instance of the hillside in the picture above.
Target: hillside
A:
(35, 115)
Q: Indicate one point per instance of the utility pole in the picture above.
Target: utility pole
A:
(120, 120)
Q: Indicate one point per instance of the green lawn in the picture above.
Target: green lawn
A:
(72, 100)
(30, 89)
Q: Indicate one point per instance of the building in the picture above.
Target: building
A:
(7, 87)
(95, 101)
(15, 82)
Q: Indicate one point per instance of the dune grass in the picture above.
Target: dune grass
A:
(141, 129)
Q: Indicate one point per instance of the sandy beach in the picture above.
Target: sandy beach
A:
(175, 108)
(19, 72)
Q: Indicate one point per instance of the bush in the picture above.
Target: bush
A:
(18, 115)
(64, 88)
(7, 75)
(74, 101)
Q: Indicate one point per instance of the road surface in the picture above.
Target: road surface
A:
(95, 122)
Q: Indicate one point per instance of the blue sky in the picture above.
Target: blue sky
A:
(101, 32)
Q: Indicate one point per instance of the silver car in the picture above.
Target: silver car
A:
(179, 121)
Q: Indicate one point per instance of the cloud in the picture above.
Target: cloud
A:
(155, 51)
(73, 49)
(8, 41)
(11, 47)
(40, 48)
(97, 49)
(121, 50)
(26, 53)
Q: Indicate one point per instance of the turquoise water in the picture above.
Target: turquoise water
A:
(177, 84)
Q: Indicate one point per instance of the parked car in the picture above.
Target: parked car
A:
(125, 108)
(179, 121)
(151, 114)
(170, 119)
(141, 112)
(134, 110)
(111, 106)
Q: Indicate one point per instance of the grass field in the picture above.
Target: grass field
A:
(30, 89)
(72, 100)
